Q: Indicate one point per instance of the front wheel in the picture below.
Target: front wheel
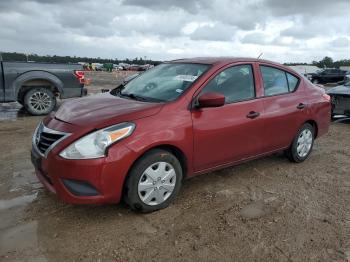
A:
(302, 144)
(39, 101)
(153, 181)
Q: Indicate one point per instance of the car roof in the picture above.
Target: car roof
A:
(221, 60)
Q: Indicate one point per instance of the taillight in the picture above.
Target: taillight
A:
(80, 75)
(327, 97)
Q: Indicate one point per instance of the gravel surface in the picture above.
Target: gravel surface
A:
(265, 210)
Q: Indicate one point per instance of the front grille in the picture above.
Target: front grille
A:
(45, 138)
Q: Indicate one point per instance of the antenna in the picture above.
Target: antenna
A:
(260, 55)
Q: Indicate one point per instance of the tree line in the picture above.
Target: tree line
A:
(21, 57)
(326, 62)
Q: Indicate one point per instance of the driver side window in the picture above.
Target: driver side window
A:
(235, 83)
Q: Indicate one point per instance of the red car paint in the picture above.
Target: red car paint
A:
(208, 138)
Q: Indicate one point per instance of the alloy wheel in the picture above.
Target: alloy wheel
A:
(304, 143)
(40, 101)
(157, 183)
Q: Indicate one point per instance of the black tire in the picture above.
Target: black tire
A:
(131, 195)
(36, 109)
(292, 153)
(20, 101)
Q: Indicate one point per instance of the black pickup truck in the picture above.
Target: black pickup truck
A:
(36, 85)
(327, 76)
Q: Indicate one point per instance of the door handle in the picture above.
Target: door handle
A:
(253, 114)
(301, 106)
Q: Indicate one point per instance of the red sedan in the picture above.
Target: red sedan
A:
(177, 120)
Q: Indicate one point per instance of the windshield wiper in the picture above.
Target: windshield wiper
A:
(116, 91)
(133, 96)
(140, 98)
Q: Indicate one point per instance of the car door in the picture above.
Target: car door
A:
(330, 76)
(323, 76)
(232, 132)
(284, 107)
(338, 75)
(334, 75)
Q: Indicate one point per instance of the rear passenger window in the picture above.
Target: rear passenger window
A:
(292, 82)
(235, 83)
(277, 81)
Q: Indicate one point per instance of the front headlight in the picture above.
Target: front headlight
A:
(94, 145)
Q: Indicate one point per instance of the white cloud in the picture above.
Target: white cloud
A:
(293, 30)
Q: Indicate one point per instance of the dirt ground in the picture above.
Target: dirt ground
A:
(265, 210)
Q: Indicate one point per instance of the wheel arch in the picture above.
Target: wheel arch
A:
(176, 151)
(315, 126)
(36, 79)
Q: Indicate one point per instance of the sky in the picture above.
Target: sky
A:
(284, 31)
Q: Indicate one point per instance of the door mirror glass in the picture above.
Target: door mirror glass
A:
(211, 99)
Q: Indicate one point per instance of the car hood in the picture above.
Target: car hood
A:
(103, 110)
(341, 90)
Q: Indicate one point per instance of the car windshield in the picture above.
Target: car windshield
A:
(165, 82)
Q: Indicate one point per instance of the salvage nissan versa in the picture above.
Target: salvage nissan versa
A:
(177, 120)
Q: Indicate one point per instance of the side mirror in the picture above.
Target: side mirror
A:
(211, 99)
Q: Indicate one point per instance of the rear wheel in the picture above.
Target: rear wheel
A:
(39, 101)
(153, 181)
(302, 144)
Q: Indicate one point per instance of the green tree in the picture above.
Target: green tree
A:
(326, 62)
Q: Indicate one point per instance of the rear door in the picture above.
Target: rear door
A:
(284, 107)
(232, 132)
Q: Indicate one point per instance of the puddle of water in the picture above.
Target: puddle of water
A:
(254, 210)
(11, 111)
(21, 238)
(24, 178)
(18, 201)
(347, 254)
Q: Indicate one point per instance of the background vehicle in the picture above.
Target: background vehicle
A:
(340, 97)
(36, 85)
(327, 76)
(177, 120)
(137, 68)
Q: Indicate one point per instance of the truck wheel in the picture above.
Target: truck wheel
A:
(153, 181)
(39, 101)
